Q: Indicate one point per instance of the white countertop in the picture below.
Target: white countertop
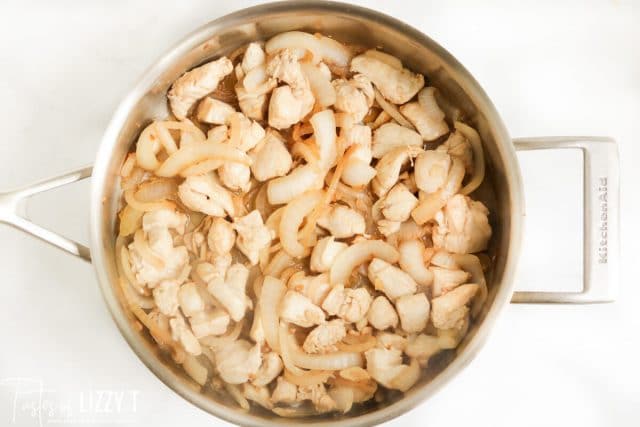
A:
(551, 69)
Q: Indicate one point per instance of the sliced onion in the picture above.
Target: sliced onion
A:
(309, 379)
(478, 157)
(273, 221)
(195, 369)
(382, 118)
(363, 344)
(128, 165)
(216, 342)
(280, 261)
(129, 197)
(330, 361)
(166, 140)
(343, 396)
(307, 151)
(392, 110)
(272, 292)
(130, 220)
(294, 412)
(407, 377)
(292, 217)
(147, 148)
(412, 261)
(322, 48)
(202, 167)
(286, 188)
(156, 189)
(192, 154)
(360, 253)
(471, 264)
(344, 120)
(444, 259)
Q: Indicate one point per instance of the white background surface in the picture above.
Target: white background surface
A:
(552, 68)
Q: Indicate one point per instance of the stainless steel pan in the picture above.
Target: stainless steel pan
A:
(504, 191)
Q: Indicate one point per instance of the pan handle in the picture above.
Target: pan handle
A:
(12, 211)
(601, 219)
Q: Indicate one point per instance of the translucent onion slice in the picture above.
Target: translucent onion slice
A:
(145, 251)
(478, 157)
(392, 110)
(215, 342)
(292, 217)
(360, 253)
(294, 412)
(321, 47)
(407, 377)
(310, 378)
(272, 292)
(361, 345)
(428, 207)
(131, 200)
(192, 154)
(280, 261)
(324, 132)
(156, 189)
(202, 167)
(237, 395)
(412, 261)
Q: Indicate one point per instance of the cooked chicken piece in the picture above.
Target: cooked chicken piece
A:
(237, 361)
(287, 109)
(165, 295)
(221, 236)
(387, 227)
(253, 235)
(253, 57)
(422, 347)
(217, 134)
(431, 203)
(244, 133)
(413, 311)
(342, 222)
(285, 392)
(389, 167)
(196, 84)
(300, 180)
(445, 279)
(457, 145)
(213, 111)
(382, 314)
(354, 97)
(203, 193)
(257, 394)
(390, 136)
(254, 103)
(181, 333)
(388, 340)
(324, 137)
(398, 85)
(390, 279)
(231, 291)
(235, 176)
(315, 288)
(216, 268)
(191, 302)
(269, 369)
(349, 304)
(463, 226)
(173, 260)
(289, 103)
(398, 203)
(209, 322)
(270, 158)
(317, 394)
(431, 170)
(164, 218)
(384, 365)
(448, 310)
(323, 338)
(298, 309)
(324, 253)
(412, 261)
(425, 115)
(319, 77)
